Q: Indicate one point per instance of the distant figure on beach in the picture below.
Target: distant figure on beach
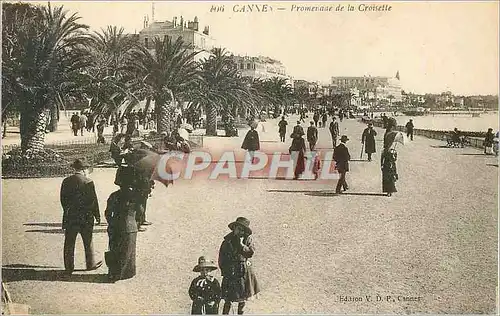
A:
(251, 143)
(80, 208)
(388, 159)
(205, 290)
(409, 129)
(238, 279)
(368, 139)
(334, 131)
(312, 136)
(341, 156)
(488, 142)
(282, 129)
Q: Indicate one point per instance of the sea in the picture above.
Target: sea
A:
(445, 122)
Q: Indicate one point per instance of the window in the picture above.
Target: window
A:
(249, 66)
(242, 66)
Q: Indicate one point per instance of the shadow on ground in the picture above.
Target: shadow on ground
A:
(44, 224)
(492, 165)
(474, 155)
(326, 193)
(18, 274)
(61, 231)
(294, 191)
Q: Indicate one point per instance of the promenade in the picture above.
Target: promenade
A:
(434, 241)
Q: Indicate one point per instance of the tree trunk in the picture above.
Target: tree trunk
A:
(236, 115)
(54, 119)
(211, 128)
(148, 104)
(32, 128)
(165, 115)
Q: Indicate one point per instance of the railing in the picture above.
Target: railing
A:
(474, 141)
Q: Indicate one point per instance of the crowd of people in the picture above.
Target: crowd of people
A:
(125, 212)
(341, 154)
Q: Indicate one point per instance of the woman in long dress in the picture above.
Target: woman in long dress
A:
(388, 159)
(120, 214)
(298, 149)
(239, 282)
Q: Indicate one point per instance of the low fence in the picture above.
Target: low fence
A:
(474, 141)
(55, 160)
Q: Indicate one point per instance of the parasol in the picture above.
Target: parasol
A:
(393, 137)
(400, 138)
(145, 163)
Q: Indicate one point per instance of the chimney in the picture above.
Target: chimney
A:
(182, 23)
(206, 30)
(175, 21)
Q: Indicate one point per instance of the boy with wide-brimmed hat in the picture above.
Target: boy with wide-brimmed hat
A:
(238, 280)
(205, 290)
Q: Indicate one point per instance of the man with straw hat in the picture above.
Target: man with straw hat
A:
(205, 289)
(238, 279)
(80, 208)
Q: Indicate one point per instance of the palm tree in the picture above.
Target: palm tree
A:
(167, 70)
(280, 92)
(41, 64)
(106, 77)
(221, 90)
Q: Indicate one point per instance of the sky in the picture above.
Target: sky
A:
(435, 46)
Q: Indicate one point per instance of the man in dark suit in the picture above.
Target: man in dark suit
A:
(341, 156)
(334, 131)
(312, 136)
(80, 207)
(298, 130)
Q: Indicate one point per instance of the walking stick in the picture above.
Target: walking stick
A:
(361, 153)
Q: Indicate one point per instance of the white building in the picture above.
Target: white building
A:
(189, 31)
(261, 67)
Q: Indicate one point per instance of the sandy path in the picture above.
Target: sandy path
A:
(435, 239)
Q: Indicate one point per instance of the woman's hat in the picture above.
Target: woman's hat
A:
(80, 164)
(344, 138)
(242, 222)
(203, 263)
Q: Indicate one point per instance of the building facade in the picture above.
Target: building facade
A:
(261, 67)
(189, 31)
(377, 88)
